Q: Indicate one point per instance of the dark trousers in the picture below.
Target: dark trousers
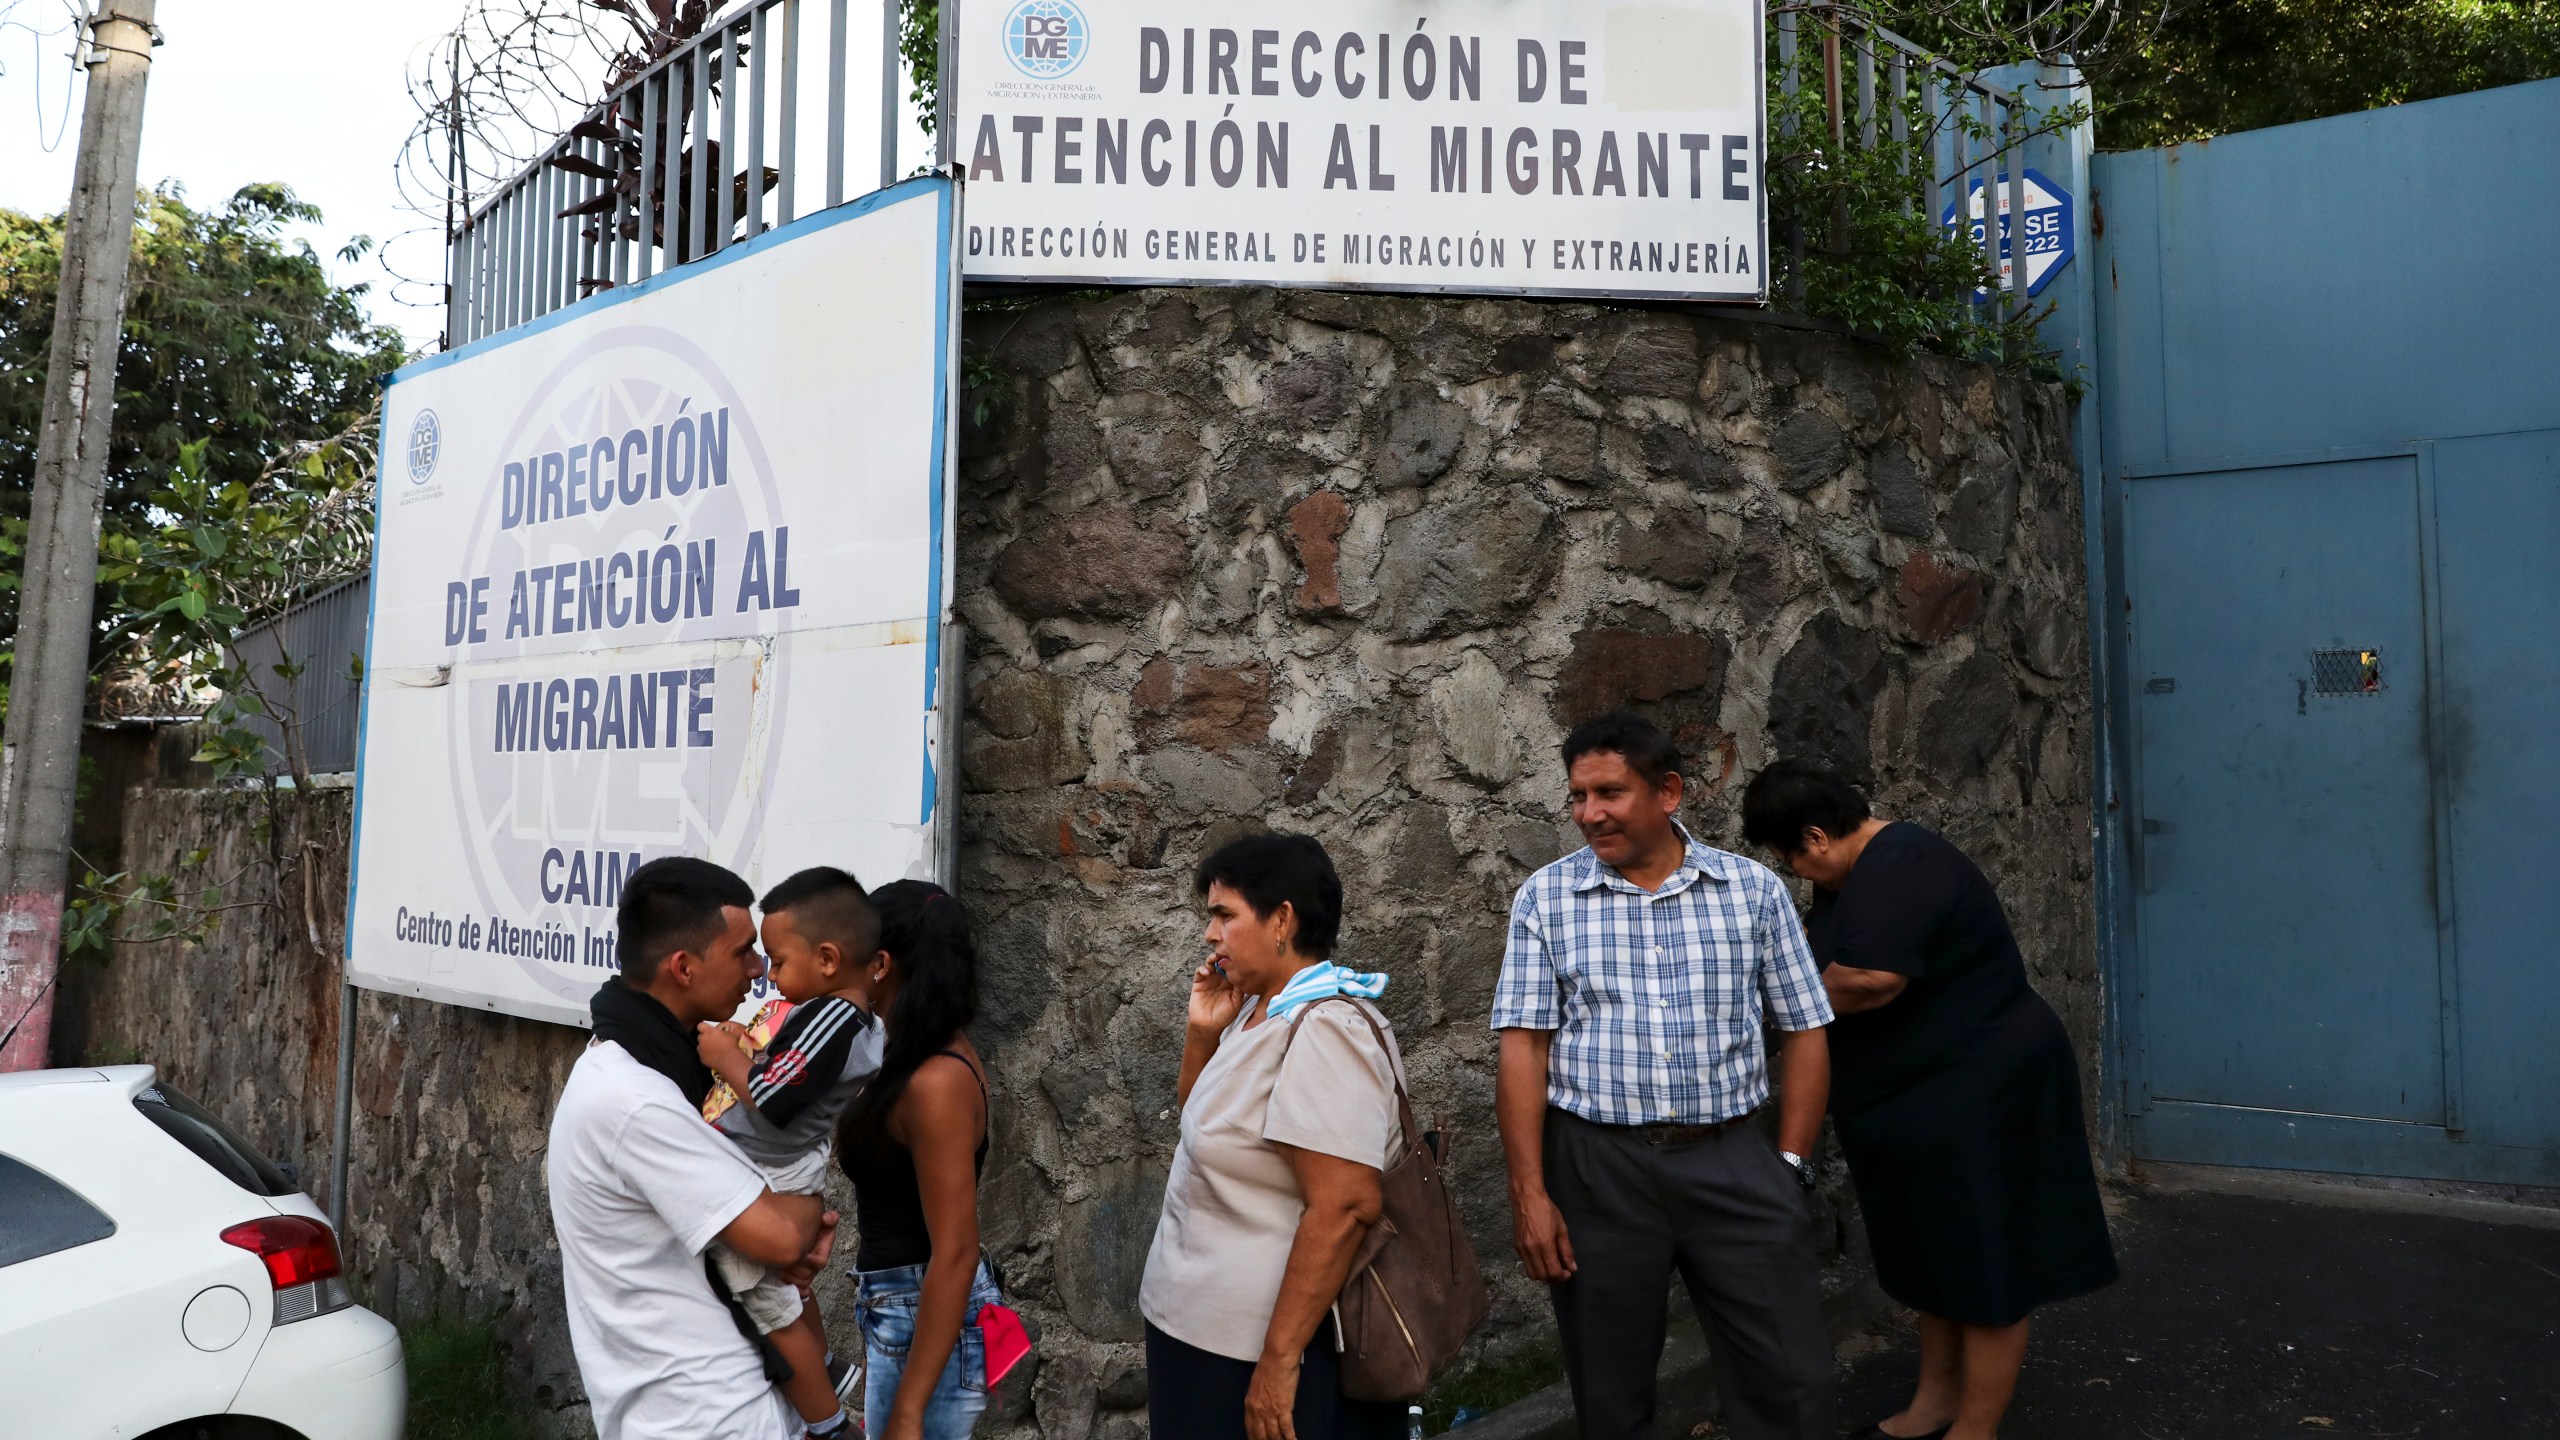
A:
(1193, 1394)
(1725, 1212)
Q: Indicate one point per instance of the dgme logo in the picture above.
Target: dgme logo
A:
(426, 445)
(1045, 39)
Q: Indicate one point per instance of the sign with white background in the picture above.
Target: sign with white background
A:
(662, 574)
(1553, 147)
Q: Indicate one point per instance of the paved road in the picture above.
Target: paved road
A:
(2246, 1317)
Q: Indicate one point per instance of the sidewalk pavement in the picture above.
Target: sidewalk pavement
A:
(2251, 1310)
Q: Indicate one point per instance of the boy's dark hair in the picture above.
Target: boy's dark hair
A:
(1793, 796)
(1639, 741)
(1269, 869)
(828, 904)
(672, 903)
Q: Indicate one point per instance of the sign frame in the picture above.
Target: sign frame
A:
(934, 734)
(960, 106)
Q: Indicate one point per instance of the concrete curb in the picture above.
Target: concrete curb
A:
(1685, 1397)
(1546, 1415)
(1684, 1394)
(2486, 1204)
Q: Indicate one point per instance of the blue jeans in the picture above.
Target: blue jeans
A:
(885, 1307)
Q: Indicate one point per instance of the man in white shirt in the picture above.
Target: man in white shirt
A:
(640, 1184)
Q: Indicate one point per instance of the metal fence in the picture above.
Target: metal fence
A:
(321, 641)
(748, 126)
(737, 131)
(1969, 129)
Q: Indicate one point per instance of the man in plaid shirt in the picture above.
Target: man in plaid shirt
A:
(1640, 974)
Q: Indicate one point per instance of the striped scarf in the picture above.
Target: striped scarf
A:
(1322, 981)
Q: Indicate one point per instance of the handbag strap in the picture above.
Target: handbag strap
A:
(1404, 1102)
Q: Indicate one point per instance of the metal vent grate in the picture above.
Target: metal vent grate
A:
(2347, 671)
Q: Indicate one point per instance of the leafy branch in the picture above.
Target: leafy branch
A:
(920, 45)
(228, 552)
(224, 555)
(105, 910)
(1976, 34)
(1852, 231)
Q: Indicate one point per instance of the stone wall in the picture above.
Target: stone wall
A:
(1351, 566)
(1237, 558)
(447, 1212)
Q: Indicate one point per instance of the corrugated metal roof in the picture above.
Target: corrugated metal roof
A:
(324, 636)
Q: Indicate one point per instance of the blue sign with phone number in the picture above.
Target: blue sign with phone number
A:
(2050, 242)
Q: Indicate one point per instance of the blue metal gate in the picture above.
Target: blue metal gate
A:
(2329, 360)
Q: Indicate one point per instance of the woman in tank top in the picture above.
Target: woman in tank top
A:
(913, 1143)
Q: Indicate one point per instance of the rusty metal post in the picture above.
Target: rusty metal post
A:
(453, 291)
(343, 1113)
(1834, 107)
(1787, 131)
(40, 755)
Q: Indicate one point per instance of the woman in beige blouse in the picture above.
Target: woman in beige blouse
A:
(1288, 1121)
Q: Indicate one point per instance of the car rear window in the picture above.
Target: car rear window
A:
(40, 1215)
(190, 1125)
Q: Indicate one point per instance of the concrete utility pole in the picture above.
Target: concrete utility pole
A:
(40, 756)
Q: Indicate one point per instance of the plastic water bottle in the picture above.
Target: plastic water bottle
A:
(1413, 1422)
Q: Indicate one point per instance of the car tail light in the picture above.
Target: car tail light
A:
(301, 1257)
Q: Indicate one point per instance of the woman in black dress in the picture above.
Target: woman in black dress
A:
(1953, 1089)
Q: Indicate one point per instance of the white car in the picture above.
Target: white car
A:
(160, 1278)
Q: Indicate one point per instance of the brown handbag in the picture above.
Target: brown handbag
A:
(1414, 1294)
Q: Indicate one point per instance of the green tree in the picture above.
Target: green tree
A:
(2161, 72)
(2229, 65)
(216, 556)
(234, 336)
(2168, 71)
(920, 42)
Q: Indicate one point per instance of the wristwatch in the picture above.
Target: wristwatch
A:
(1800, 1165)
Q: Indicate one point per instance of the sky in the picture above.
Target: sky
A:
(311, 93)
